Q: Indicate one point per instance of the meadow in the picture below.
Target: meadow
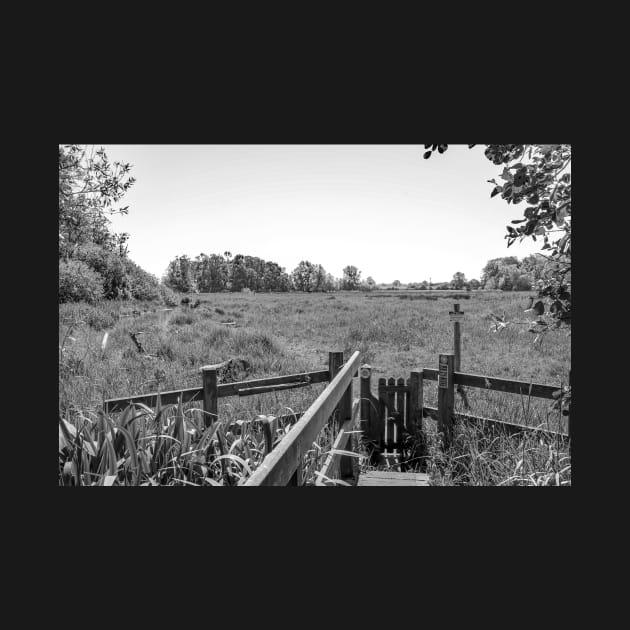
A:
(284, 333)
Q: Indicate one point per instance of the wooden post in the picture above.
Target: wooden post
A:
(456, 317)
(457, 339)
(365, 372)
(446, 397)
(414, 412)
(335, 362)
(209, 374)
(344, 410)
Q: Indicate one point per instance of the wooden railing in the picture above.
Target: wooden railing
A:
(211, 390)
(283, 466)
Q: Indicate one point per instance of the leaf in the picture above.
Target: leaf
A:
(109, 480)
(427, 155)
(539, 308)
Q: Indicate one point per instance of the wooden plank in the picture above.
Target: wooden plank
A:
(494, 383)
(225, 389)
(511, 427)
(252, 391)
(150, 400)
(384, 478)
(280, 465)
(231, 389)
(390, 398)
(382, 413)
(416, 402)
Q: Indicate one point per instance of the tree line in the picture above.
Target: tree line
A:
(224, 272)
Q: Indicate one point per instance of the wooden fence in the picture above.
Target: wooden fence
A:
(399, 407)
(283, 466)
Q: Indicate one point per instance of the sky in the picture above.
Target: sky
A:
(381, 208)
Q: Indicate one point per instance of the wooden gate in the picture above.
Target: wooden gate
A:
(388, 420)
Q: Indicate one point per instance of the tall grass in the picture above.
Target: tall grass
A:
(286, 333)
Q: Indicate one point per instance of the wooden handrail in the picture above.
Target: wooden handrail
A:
(279, 466)
(493, 383)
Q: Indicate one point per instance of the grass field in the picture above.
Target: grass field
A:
(279, 334)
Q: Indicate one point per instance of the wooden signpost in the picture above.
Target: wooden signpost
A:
(457, 316)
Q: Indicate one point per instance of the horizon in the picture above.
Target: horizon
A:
(381, 208)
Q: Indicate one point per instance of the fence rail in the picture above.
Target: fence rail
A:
(494, 383)
(240, 388)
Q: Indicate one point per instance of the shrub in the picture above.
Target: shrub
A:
(77, 282)
(168, 296)
(143, 285)
(109, 265)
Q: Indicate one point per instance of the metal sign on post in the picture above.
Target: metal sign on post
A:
(443, 373)
(456, 316)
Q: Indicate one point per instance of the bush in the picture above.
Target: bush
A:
(77, 282)
(109, 265)
(168, 296)
(144, 286)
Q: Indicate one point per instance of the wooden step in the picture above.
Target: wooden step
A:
(385, 478)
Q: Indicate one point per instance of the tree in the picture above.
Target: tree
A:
(474, 284)
(396, 284)
(351, 278)
(89, 186)
(535, 173)
(459, 279)
(302, 276)
(180, 275)
(371, 284)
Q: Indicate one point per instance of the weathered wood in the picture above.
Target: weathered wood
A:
(344, 441)
(225, 389)
(457, 340)
(251, 391)
(335, 361)
(510, 427)
(279, 466)
(150, 400)
(210, 380)
(414, 413)
(385, 478)
(368, 404)
(494, 383)
(231, 389)
(382, 413)
(446, 398)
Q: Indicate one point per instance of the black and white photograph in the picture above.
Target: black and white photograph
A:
(327, 315)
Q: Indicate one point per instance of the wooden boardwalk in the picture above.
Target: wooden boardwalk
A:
(386, 478)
